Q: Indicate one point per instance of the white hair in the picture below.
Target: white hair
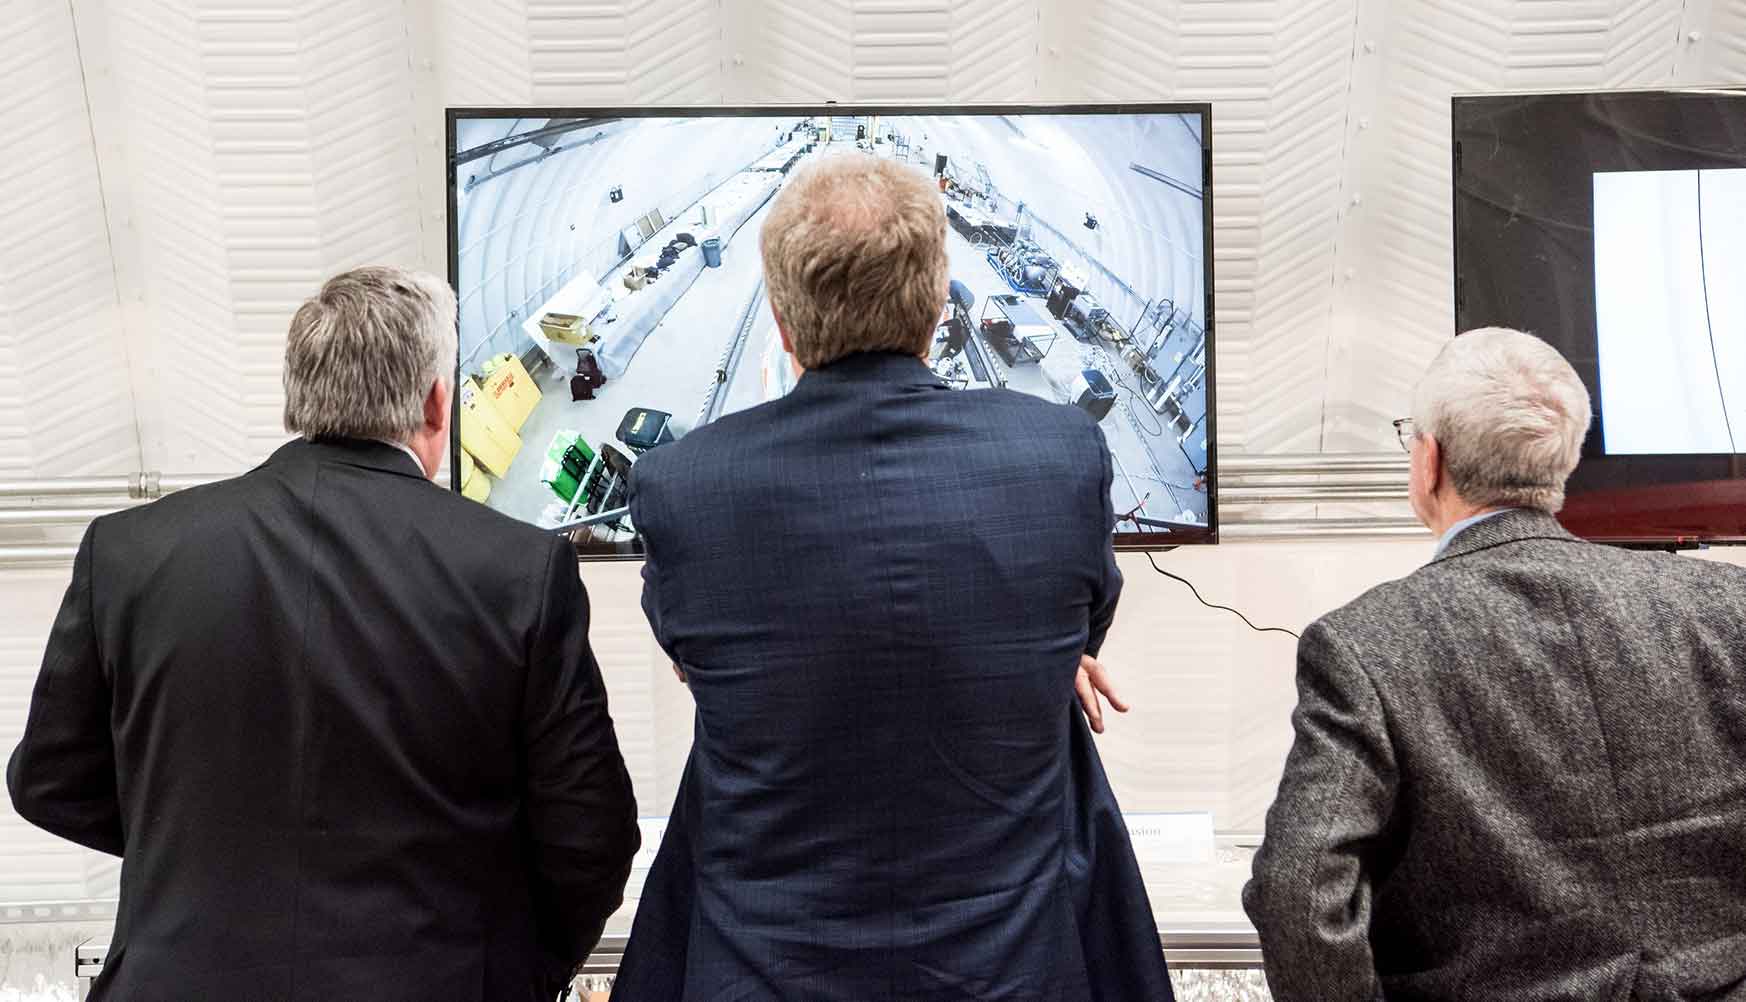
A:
(1508, 413)
(363, 354)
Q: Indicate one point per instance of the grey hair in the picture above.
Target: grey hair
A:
(855, 258)
(363, 354)
(1509, 414)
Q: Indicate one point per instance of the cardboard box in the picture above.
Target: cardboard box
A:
(511, 390)
(566, 328)
(485, 433)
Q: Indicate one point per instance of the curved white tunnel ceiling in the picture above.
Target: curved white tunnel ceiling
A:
(535, 215)
(525, 231)
(1062, 167)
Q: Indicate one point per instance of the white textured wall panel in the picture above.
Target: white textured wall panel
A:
(789, 50)
(483, 47)
(65, 403)
(1395, 306)
(994, 48)
(273, 148)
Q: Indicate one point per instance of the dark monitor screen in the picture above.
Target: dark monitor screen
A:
(1613, 225)
(612, 298)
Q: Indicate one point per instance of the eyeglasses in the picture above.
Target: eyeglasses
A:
(1404, 431)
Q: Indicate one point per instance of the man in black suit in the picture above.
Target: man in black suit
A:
(343, 727)
(880, 591)
(1520, 772)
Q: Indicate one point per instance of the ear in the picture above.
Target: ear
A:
(1431, 455)
(782, 330)
(436, 407)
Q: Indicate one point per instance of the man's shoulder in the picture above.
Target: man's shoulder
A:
(455, 521)
(1555, 565)
(995, 415)
(706, 444)
(1005, 402)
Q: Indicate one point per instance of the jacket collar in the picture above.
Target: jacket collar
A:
(1511, 526)
(363, 453)
(875, 367)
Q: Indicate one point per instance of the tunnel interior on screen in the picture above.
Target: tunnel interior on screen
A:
(612, 297)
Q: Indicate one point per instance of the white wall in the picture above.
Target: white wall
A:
(183, 172)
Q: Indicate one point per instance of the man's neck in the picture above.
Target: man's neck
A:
(1461, 512)
(403, 447)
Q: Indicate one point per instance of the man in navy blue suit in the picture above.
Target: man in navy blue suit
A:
(881, 593)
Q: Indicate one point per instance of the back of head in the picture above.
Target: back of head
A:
(363, 354)
(855, 258)
(1509, 414)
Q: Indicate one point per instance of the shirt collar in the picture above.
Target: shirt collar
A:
(1466, 523)
(403, 447)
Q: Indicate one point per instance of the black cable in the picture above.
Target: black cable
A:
(1134, 394)
(1210, 605)
(1709, 325)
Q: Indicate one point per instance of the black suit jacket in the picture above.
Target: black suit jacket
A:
(345, 731)
(1520, 773)
(879, 590)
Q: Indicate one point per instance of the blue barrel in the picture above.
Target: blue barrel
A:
(711, 251)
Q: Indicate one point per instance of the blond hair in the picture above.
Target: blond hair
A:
(1509, 414)
(363, 354)
(855, 258)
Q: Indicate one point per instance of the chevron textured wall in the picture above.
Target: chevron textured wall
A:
(195, 166)
(182, 172)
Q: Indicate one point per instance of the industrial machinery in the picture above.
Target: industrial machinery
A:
(1093, 394)
(1025, 266)
(1061, 296)
(1085, 317)
(1013, 329)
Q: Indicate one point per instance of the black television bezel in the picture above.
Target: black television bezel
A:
(1667, 513)
(1123, 541)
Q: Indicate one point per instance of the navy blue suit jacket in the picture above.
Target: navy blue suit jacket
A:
(879, 590)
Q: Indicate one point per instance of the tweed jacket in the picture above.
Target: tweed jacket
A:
(1519, 773)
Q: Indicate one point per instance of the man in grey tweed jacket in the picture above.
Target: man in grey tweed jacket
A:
(1520, 772)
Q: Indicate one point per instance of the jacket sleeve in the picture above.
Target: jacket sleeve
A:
(1109, 585)
(582, 816)
(1310, 894)
(62, 775)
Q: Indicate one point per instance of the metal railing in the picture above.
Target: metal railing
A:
(1184, 949)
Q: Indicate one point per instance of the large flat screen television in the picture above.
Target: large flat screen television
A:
(1614, 226)
(611, 295)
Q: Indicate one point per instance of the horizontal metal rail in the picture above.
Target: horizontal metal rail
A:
(15, 517)
(1310, 494)
(1184, 949)
(1317, 464)
(87, 910)
(33, 555)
